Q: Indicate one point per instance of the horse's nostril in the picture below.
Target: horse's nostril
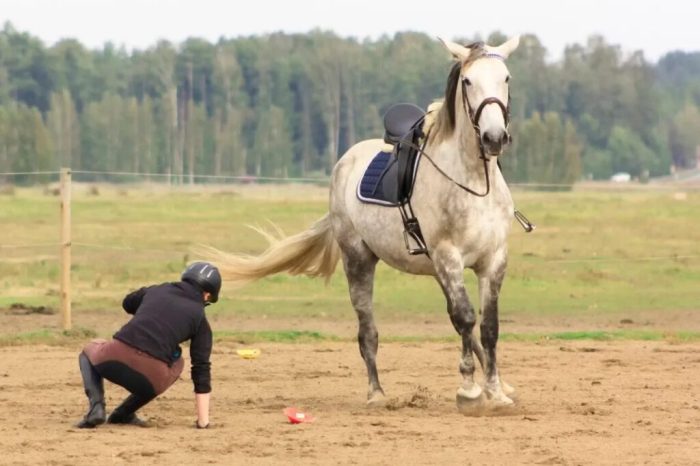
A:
(505, 138)
(489, 139)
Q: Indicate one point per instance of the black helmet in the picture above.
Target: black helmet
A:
(206, 276)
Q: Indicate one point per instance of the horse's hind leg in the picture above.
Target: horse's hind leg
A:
(359, 263)
(449, 268)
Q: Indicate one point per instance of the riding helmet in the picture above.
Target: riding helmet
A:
(205, 275)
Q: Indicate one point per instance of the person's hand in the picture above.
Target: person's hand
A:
(202, 405)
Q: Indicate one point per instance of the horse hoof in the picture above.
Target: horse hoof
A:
(498, 399)
(470, 402)
(470, 394)
(376, 400)
(507, 389)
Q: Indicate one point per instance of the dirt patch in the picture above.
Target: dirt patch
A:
(20, 309)
(623, 403)
(420, 398)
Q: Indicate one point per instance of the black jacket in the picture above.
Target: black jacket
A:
(164, 316)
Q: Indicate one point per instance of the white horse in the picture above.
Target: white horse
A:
(465, 211)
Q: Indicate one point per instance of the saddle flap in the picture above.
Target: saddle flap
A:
(399, 120)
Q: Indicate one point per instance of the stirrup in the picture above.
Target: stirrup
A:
(413, 230)
(524, 222)
(413, 251)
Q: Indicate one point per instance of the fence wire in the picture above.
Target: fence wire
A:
(584, 186)
(667, 184)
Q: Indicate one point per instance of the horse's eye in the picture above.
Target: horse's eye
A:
(467, 81)
(507, 79)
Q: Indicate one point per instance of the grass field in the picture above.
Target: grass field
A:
(593, 253)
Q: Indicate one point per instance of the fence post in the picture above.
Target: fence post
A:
(65, 247)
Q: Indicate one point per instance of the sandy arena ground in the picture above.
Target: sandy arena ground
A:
(577, 403)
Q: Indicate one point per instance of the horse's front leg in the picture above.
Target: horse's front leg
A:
(449, 269)
(489, 289)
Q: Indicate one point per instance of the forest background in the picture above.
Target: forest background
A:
(288, 105)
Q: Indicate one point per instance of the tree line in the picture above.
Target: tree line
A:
(288, 105)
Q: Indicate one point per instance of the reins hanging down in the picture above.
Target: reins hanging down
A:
(519, 216)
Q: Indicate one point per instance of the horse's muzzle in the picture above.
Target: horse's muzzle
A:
(494, 141)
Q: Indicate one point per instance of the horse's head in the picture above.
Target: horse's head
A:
(483, 77)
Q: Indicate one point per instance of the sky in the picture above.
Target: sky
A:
(653, 26)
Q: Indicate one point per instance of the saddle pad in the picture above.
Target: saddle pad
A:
(371, 187)
(380, 182)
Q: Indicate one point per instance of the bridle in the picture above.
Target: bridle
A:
(474, 120)
(475, 116)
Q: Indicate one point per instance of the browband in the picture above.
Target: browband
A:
(493, 55)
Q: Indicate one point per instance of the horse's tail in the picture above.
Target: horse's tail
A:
(313, 252)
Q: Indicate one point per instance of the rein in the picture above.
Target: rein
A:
(441, 171)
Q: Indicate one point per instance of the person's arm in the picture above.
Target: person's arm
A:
(132, 301)
(200, 352)
(202, 402)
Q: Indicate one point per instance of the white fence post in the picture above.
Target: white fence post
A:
(65, 247)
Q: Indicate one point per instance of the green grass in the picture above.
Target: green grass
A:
(593, 253)
(596, 335)
(48, 337)
(615, 335)
(75, 336)
(285, 336)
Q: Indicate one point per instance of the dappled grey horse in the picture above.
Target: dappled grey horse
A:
(465, 211)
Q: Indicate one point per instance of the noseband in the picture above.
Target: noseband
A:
(474, 116)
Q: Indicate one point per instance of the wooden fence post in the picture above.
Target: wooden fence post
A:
(65, 247)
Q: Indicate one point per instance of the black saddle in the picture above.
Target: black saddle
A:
(399, 120)
(388, 180)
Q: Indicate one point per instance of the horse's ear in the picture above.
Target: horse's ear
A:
(507, 47)
(459, 52)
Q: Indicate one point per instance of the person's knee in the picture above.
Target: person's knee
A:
(133, 381)
(91, 349)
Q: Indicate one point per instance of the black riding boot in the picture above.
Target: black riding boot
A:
(94, 389)
(125, 413)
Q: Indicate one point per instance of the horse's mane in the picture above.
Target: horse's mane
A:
(431, 116)
(444, 123)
